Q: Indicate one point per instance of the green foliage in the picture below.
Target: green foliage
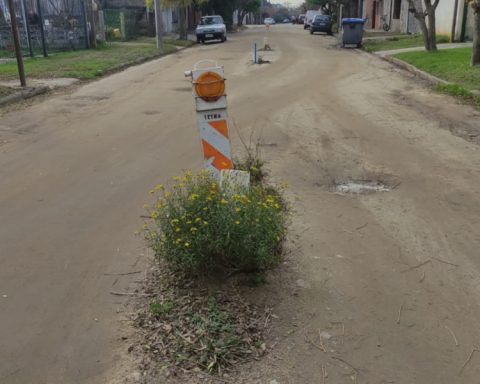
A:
(452, 65)
(161, 308)
(197, 228)
(399, 42)
(87, 64)
(459, 92)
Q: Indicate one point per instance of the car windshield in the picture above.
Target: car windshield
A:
(211, 20)
(322, 18)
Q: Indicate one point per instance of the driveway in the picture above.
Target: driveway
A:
(392, 277)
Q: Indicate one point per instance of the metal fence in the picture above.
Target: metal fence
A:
(127, 24)
(64, 26)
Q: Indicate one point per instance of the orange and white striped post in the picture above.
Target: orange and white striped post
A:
(211, 105)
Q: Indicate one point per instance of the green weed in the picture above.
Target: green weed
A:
(198, 228)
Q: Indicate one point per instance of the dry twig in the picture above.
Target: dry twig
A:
(474, 349)
(320, 347)
(122, 274)
(361, 227)
(422, 278)
(417, 266)
(347, 363)
(444, 262)
(453, 335)
(324, 374)
(127, 293)
(400, 313)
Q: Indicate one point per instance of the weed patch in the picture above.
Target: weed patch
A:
(458, 92)
(189, 328)
(201, 230)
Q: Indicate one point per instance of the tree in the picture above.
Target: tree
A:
(425, 14)
(224, 8)
(475, 4)
(246, 6)
(182, 6)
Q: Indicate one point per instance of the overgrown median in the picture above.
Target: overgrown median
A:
(211, 240)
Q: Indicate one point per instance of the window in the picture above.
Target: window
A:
(397, 7)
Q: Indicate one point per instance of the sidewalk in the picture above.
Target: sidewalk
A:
(413, 49)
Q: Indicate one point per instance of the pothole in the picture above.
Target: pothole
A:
(361, 187)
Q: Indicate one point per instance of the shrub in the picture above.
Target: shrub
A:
(199, 229)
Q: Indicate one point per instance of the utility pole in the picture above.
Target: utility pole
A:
(158, 25)
(16, 42)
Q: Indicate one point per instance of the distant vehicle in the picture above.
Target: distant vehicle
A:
(309, 18)
(211, 28)
(301, 19)
(286, 21)
(269, 21)
(321, 23)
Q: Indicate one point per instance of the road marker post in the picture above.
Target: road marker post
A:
(211, 104)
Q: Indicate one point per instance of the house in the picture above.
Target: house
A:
(454, 18)
(145, 19)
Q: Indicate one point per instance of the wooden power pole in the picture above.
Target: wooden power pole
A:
(158, 25)
(16, 42)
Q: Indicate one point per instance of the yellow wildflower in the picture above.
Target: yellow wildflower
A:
(193, 229)
(198, 219)
(176, 178)
(223, 201)
(237, 210)
(177, 229)
(237, 222)
(187, 244)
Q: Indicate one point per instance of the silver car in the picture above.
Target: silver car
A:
(211, 28)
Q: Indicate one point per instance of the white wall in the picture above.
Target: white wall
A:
(444, 16)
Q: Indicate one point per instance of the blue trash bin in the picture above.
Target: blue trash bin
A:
(352, 32)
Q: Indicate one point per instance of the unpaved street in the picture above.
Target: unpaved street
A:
(391, 278)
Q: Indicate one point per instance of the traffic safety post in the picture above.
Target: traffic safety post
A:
(211, 105)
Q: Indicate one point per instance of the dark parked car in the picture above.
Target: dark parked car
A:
(321, 23)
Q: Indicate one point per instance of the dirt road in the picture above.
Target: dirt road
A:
(391, 278)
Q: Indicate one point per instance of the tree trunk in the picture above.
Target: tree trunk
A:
(241, 15)
(432, 30)
(425, 33)
(476, 34)
(182, 23)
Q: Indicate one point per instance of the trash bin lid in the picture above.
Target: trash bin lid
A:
(353, 21)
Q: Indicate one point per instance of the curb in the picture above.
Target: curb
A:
(23, 95)
(432, 80)
(412, 69)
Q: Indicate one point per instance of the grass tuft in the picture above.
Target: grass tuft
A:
(90, 63)
(399, 42)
